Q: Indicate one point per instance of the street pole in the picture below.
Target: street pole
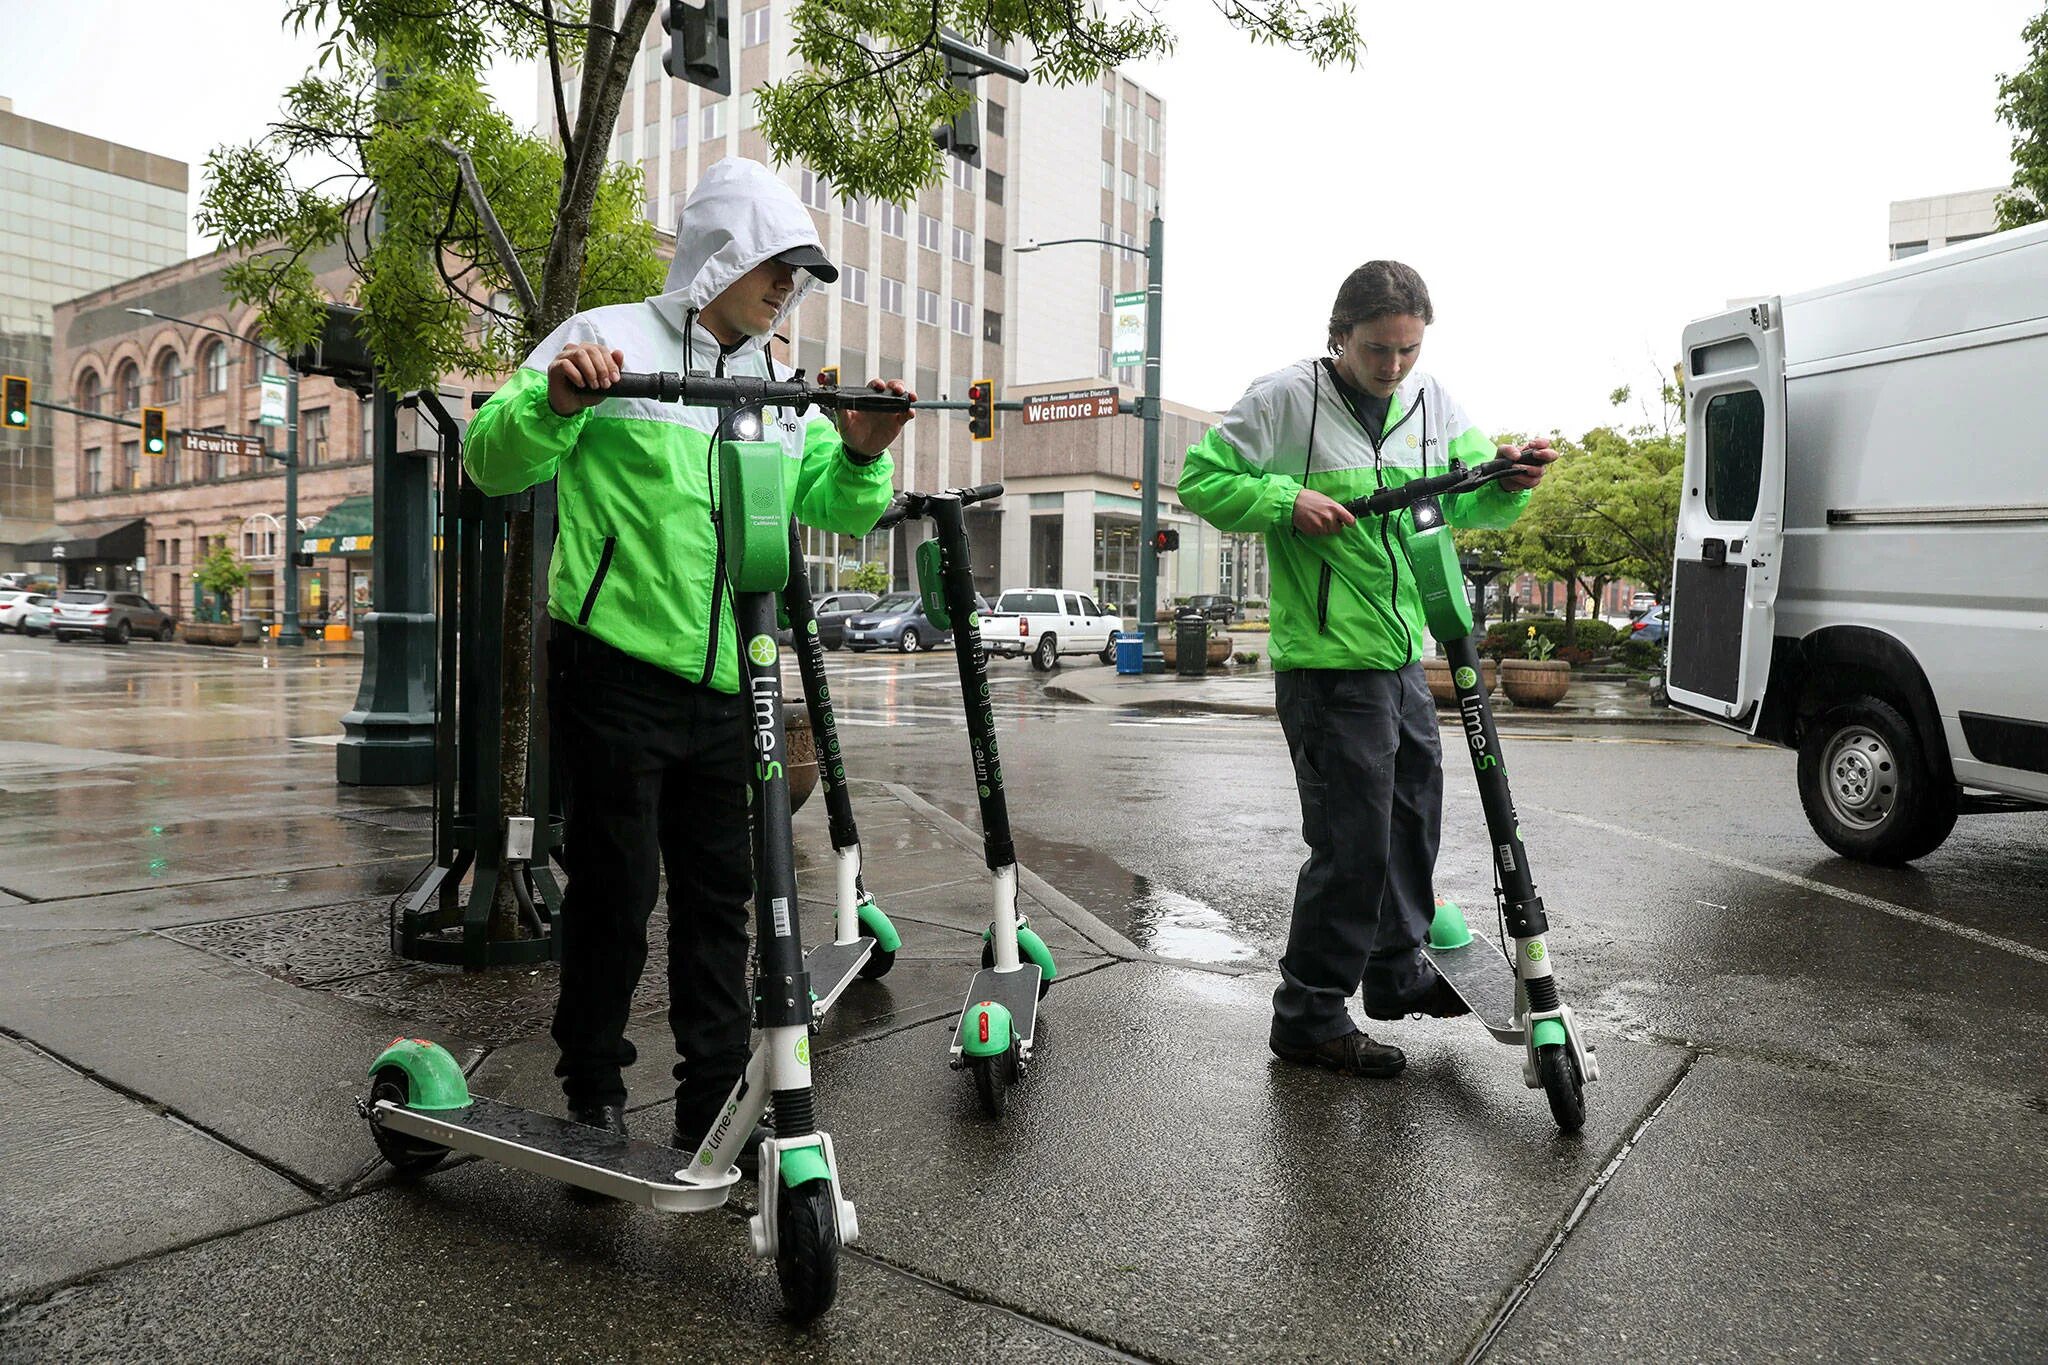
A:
(1148, 510)
(288, 634)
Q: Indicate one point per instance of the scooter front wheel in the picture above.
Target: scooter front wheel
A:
(409, 1156)
(807, 1249)
(993, 1077)
(1561, 1086)
(880, 959)
(988, 960)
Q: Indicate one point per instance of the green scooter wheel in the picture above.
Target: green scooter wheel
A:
(880, 960)
(409, 1156)
(1561, 1086)
(988, 959)
(993, 1077)
(807, 1249)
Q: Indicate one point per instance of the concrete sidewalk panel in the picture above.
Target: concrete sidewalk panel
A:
(94, 1178)
(479, 1263)
(272, 1068)
(1771, 1213)
(230, 897)
(1163, 1183)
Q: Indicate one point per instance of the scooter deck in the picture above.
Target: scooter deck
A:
(644, 1173)
(1485, 980)
(832, 967)
(1015, 991)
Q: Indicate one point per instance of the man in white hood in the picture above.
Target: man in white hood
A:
(648, 730)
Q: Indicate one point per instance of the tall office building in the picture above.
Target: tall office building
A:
(1941, 220)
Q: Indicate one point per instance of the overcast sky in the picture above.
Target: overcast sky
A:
(1574, 181)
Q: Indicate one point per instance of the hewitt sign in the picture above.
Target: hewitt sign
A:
(1070, 407)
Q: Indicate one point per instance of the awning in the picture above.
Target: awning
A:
(94, 542)
(346, 529)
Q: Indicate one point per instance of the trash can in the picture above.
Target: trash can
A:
(1130, 653)
(1191, 645)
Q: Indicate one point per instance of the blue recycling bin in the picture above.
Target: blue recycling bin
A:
(1130, 653)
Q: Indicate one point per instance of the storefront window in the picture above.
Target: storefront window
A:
(1116, 565)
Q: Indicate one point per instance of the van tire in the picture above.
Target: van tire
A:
(1869, 789)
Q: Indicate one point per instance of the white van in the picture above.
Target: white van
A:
(1862, 548)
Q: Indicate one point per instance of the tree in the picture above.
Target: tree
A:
(2023, 106)
(220, 575)
(870, 577)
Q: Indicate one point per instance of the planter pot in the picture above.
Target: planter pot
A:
(1535, 682)
(802, 752)
(226, 633)
(1220, 648)
(1438, 673)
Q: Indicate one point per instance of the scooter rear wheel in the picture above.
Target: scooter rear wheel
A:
(993, 1077)
(1561, 1086)
(807, 1249)
(409, 1156)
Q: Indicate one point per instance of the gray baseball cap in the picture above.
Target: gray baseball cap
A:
(812, 259)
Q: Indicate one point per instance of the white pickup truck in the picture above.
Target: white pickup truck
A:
(1046, 623)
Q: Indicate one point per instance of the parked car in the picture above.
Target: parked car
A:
(1048, 622)
(898, 622)
(37, 621)
(113, 616)
(1649, 627)
(831, 611)
(1641, 603)
(1218, 608)
(14, 605)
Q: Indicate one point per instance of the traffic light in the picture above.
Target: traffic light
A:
(1166, 538)
(17, 401)
(699, 43)
(828, 378)
(961, 135)
(154, 440)
(981, 409)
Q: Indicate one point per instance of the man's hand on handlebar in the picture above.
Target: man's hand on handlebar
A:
(1536, 454)
(578, 377)
(1318, 515)
(871, 433)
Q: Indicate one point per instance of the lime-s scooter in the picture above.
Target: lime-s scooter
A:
(999, 1022)
(419, 1105)
(863, 943)
(1512, 993)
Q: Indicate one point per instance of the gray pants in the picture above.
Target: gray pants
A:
(1370, 771)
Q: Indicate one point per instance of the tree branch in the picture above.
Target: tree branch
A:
(499, 243)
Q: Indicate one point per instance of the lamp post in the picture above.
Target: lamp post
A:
(1148, 499)
(288, 634)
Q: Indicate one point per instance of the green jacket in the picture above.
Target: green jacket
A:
(637, 560)
(1347, 600)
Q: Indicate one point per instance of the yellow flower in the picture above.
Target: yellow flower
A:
(1532, 632)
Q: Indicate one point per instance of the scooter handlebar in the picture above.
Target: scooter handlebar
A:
(745, 391)
(1458, 480)
(910, 506)
(981, 492)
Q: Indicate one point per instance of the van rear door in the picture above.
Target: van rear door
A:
(1724, 584)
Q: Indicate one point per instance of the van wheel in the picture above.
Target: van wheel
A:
(1869, 789)
(1047, 654)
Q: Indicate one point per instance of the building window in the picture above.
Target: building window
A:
(1901, 250)
(994, 113)
(160, 552)
(128, 388)
(266, 363)
(1127, 374)
(1102, 362)
(169, 375)
(928, 232)
(128, 473)
(313, 436)
(1108, 235)
(963, 245)
(992, 185)
(1108, 176)
(714, 122)
(928, 307)
(89, 391)
(963, 317)
(853, 284)
(1130, 121)
(1152, 134)
(991, 326)
(1151, 200)
(167, 470)
(857, 210)
(892, 296)
(963, 175)
(216, 367)
(1108, 110)
(679, 130)
(91, 472)
(176, 545)
(757, 26)
(992, 256)
(892, 219)
(815, 190)
(1130, 242)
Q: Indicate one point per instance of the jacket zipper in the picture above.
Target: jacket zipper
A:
(1386, 548)
(604, 566)
(1323, 603)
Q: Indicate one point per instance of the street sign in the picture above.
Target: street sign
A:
(274, 401)
(1073, 406)
(220, 443)
(1127, 330)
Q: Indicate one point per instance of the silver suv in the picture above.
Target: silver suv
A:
(113, 616)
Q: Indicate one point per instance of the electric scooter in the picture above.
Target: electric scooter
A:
(1513, 993)
(864, 942)
(419, 1105)
(999, 1022)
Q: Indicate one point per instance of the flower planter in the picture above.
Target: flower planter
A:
(225, 633)
(1535, 682)
(802, 753)
(1438, 674)
(1220, 648)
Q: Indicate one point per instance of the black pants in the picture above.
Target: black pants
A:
(654, 773)
(1370, 771)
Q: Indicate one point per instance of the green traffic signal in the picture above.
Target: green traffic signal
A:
(17, 401)
(154, 440)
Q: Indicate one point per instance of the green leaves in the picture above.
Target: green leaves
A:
(2023, 105)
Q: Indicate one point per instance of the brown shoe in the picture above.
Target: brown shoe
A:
(1349, 1054)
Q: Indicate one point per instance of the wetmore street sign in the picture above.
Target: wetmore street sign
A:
(1074, 406)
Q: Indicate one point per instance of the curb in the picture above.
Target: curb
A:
(1503, 717)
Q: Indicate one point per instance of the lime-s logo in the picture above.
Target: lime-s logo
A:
(803, 1051)
(984, 789)
(811, 629)
(1535, 951)
(761, 649)
(769, 771)
(1467, 678)
(974, 619)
